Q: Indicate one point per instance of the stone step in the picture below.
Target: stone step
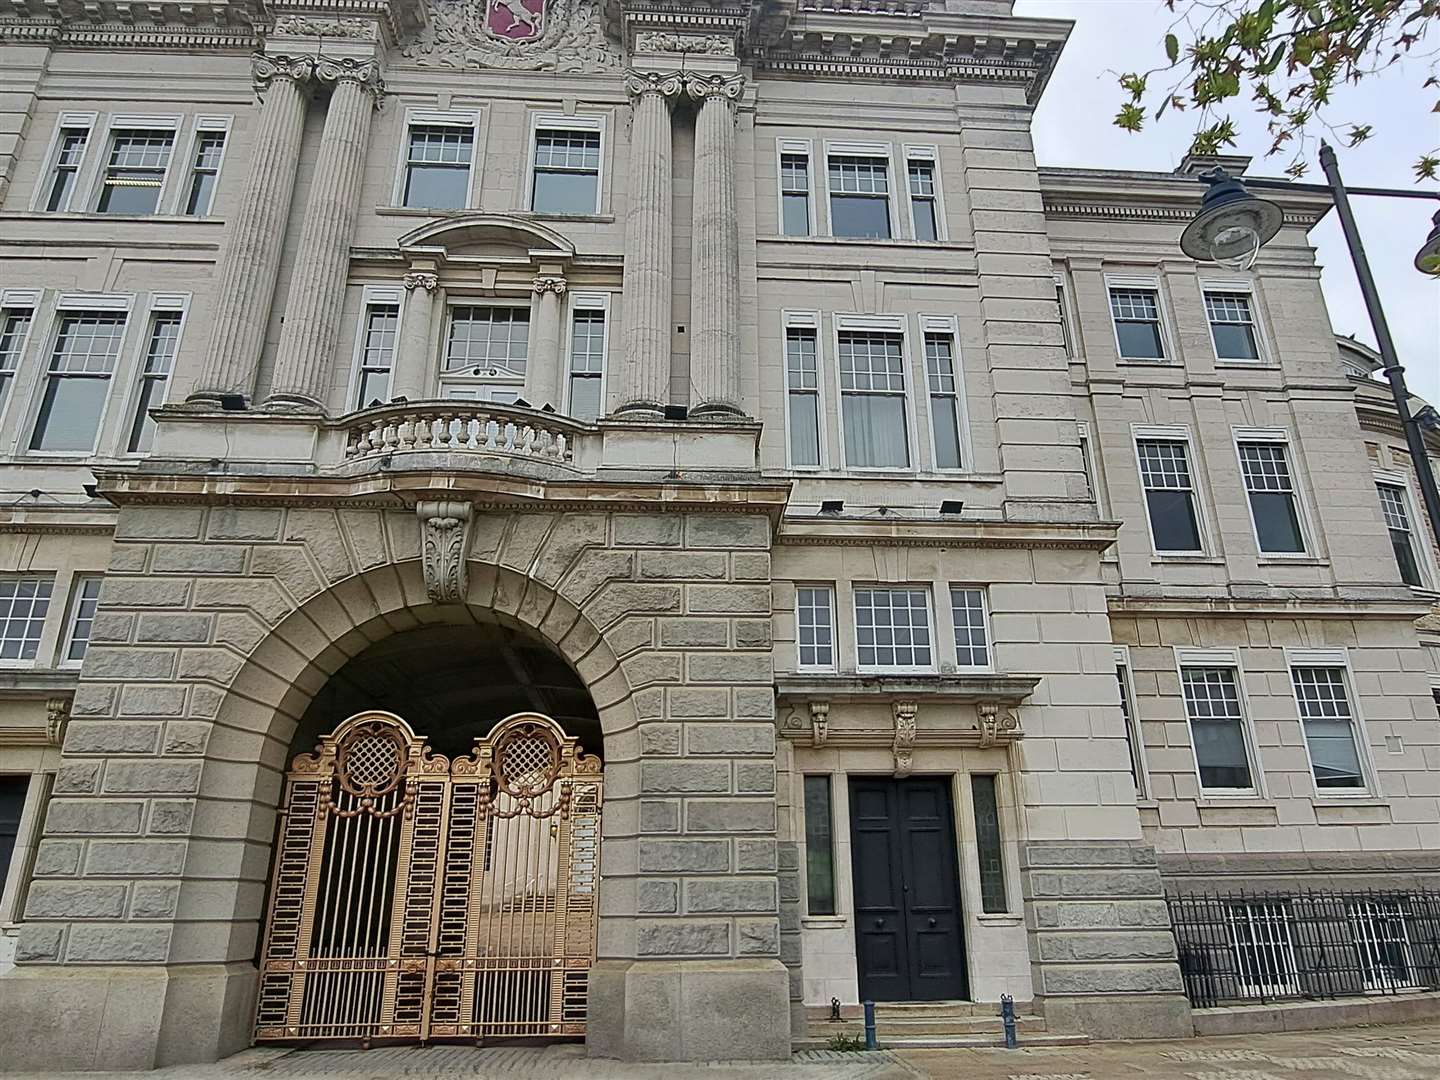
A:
(821, 1014)
(931, 1025)
(928, 1042)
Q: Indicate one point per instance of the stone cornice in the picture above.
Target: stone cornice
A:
(72, 35)
(1006, 689)
(1212, 607)
(912, 533)
(1163, 198)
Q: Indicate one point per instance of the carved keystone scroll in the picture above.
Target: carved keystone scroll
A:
(445, 534)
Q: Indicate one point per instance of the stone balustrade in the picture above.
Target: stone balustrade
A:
(482, 428)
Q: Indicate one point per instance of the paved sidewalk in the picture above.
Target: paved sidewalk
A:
(1408, 1052)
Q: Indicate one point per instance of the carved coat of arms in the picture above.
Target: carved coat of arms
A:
(515, 20)
(533, 35)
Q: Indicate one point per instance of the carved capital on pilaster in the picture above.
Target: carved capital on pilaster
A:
(995, 722)
(904, 744)
(57, 715)
(421, 279)
(364, 73)
(542, 285)
(667, 84)
(445, 533)
(819, 722)
(266, 68)
(724, 87)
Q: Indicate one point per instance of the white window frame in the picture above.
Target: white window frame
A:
(806, 320)
(1168, 336)
(1226, 658)
(159, 303)
(371, 296)
(42, 654)
(829, 589)
(1369, 775)
(986, 622)
(1135, 734)
(1280, 437)
(1173, 433)
(38, 197)
(586, 301)
(931, 153)
(444, 379)
(65, 304)
(545, 121)
(1419, 540)
(20, 300)
(1091, 460)
(877, 324)
(947, 326)
(1069, 336)
(72, 617)
(460, 118)
(796, 147)
(99, 161)
(885, 150)
(1247, 289)
(203, 125)
(919, 586)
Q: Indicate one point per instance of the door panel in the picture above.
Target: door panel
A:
(908, 931)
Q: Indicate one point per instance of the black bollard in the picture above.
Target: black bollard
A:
(1007, 1017)
(870, 1041)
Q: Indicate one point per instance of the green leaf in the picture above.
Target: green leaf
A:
(1131, 117)
(1427, 168)
(1172, 47)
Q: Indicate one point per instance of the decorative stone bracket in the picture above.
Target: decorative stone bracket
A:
(445, 534)
(996, 722)
(819, 722)
(904, 744)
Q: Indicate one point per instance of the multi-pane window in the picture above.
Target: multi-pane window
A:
(154, 378)
(24, 603)
(1169, 494)
(587, 363)
(892, 628)
(567, 172)
(859, 196)
(944, 399)
(1137, 323)
(1132, 728)
(1217, 728)
(1260, 933)
(14, 329)
(989, 850)
(795, 194)
(84, 602)
(1393, 505)
(135, 171)
(923, 211)
(802, 391)
(815, 627)
(437, 166)
(1064, 319)
(1272, 497)
(819, 847)
(972, 636)
(377, 354)
(81, 365)
(204, 172)
(1382, 939)
(1329, 725)
(1232, 326)
(67, 167)
(488, 345)
(872, 400)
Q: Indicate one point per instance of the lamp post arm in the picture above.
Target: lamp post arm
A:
(1323, 189)
(1414, 438)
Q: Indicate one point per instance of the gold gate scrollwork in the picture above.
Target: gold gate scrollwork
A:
(417, 898)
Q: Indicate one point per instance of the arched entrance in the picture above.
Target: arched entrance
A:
(436, 873)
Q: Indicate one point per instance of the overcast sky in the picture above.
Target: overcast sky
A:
(1073, 127)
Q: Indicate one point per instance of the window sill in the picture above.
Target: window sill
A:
(861, 473)
(1256, 365)
(1141, 362)
(870, 241)
(1003, 918)
(433, 212)
(1299, 559)
(824, 922)
(1159, 558)
(1248, 800)
(95, 215)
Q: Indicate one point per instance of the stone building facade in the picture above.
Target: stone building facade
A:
(608, 363)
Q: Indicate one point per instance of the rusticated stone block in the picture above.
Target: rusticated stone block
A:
(592, 570)
(712, 896)
(697, 701)
(92, 699)
(732, 739)
(755, 701)
(727, 531)
(159, 523)
(152, 701)
(694, 633)
(684, 856)
(621, 598)
(108, 944)
(658, 898)
(38, 944)
(660, 815)
(77, 778)
(57, 858)
(171, 817)
(111, 628)
(651, 667)
(758, 937)
(118, 662)
(755, 778)
(659, 739)
(260, 595)
(684, 565)
(198, 559)
(730, 815)
(750, 566)
(647, 530)
(728, 599)
(684, 776)
(730, 667)
(755, 855)
(752, 634)
(121, 737)
(176, 629)
(1126, 945)
(319, 531)
(289, 566)
(688, 938)
(185, 737)
(75, 900)
(1110, 978)
(154, 900)
(235, 523)
(94, 817)
(135, 858)
(152, 777)
(128, 558)
(146, 592)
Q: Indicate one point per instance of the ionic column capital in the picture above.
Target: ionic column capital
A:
(725, 87)
(421, 279)
(542, 285)
(665, 84)
(364, 73)
(265, 68)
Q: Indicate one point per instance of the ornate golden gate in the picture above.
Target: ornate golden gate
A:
(416, 898)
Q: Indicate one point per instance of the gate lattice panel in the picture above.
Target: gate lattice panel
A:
(417, 899)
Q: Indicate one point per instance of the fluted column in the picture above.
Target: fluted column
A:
(715, 250)
(245, 275)
(317, 288)
(412, 357)
(543, 377)
(645, 379)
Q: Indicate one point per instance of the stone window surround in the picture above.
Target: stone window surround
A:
(55, 635)
(988, 667)
(1137, 725)
(473, 119)
(16, 300)
(1249, 288)
(1169, 335)
(39, 761)
(791, 319)
(841, 322)
(947, 326)
(1338, 658)
(73, 600)
(1308, 533)
(931, 153)
(829, 589)
(1069, 324)
(877, 150)
(551, 121)
(1198, 489)
(797, 148)
(1092, 460)
(371, 296)
(1424, 551)
(65, 121)
(1186, 656)
(590, 300)
(204, 125)
(928, 590)
(466, 299)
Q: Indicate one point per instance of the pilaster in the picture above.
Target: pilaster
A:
(543, 376)
(412, 374)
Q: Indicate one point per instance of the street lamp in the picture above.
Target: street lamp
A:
(1233, 224)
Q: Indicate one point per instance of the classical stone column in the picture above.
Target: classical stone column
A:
(412, 357)
(645, 373)
(715, 250)
(543, 378)
(245, 275)
(317, 288)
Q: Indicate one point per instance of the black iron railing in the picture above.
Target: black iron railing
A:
(1245, 947)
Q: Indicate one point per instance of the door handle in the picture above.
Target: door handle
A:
(879, 923)
(932, 921)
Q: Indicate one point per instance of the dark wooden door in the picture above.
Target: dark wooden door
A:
(908, 937)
